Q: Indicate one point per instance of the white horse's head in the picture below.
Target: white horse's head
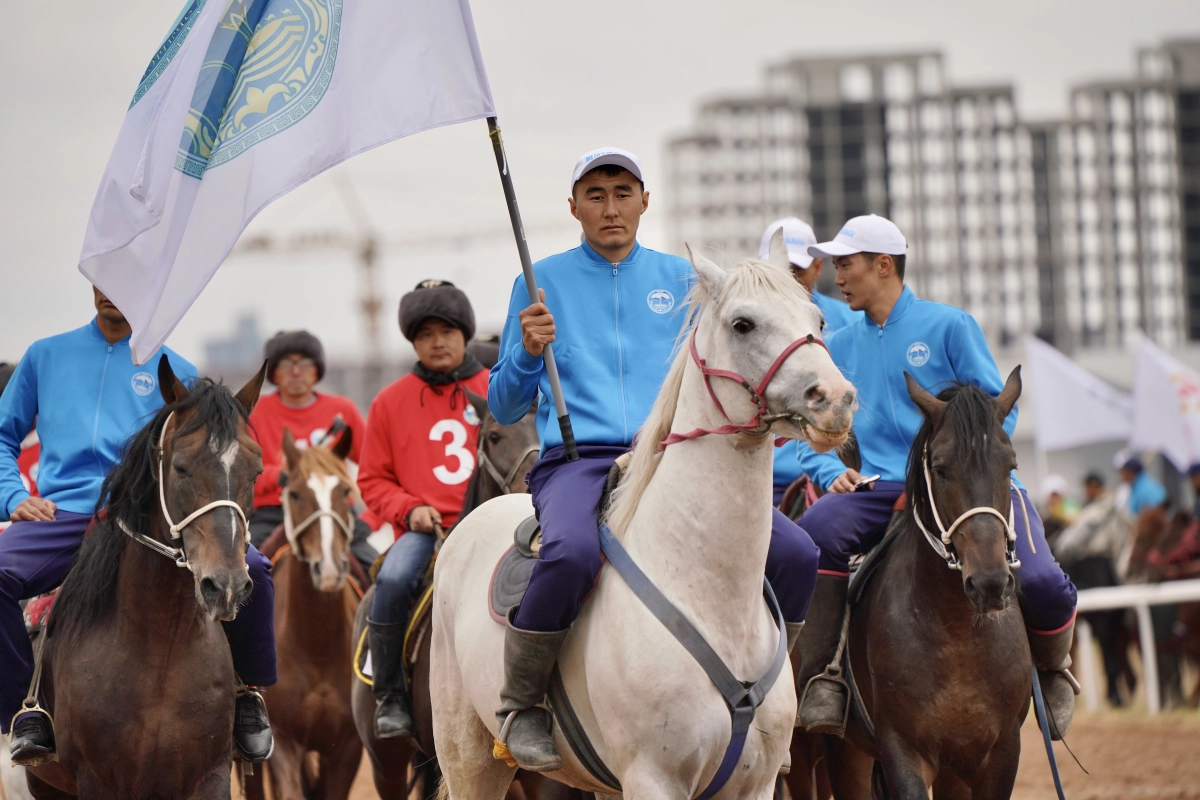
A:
(748, 318)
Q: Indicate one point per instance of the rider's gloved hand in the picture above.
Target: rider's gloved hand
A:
(537, 326)
(34, 509)
(422, 519)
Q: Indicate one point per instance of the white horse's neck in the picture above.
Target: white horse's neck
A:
(702, 527)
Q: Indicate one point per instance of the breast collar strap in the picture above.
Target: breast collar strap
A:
(762, 419)
(941, 546)
(176, 529)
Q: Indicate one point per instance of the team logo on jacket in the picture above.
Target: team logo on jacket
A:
(660, 301)
(142, 383)
(470, 416)
(918, 354)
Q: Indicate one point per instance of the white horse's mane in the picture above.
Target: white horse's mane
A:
(752, 279)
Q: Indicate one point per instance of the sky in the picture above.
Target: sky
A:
(566, 77)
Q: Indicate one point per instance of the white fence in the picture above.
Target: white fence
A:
(1138, 597)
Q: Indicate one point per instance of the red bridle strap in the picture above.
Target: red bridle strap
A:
(757, 393)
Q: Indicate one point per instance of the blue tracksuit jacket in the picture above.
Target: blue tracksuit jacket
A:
(88, 398)
(616, 329)
(838, 315)
(937, 344)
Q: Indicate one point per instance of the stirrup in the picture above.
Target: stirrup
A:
(30, 705)
(832, 674)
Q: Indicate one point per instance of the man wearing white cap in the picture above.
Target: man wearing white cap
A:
(940, 346)
(798, 236)
(614, 331)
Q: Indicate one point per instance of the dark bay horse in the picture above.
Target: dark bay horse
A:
(504, 456)
(314, 626)
(138, 673)
(941, 658)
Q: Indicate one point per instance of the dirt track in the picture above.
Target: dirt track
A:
(1130, 757)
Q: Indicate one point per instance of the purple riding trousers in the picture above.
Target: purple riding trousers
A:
(36, 556)
(566, 496)
(843, 525)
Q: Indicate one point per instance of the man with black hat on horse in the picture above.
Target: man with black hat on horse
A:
(422, 435)
(296, 364)
(89, 398)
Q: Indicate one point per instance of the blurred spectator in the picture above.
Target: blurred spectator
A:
(1144, 491)
(1059, 510)
(1093, 487)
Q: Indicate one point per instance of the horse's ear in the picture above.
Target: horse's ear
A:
(344, 444)
(778, 255)
(171, 387)
(712, 277)
(1009, 394)
(290, 451)
(479, 404)
(930, 406)
(248, 394)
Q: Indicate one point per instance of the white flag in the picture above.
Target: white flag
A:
(1166, 414)
(1071, 406)
(246, 100)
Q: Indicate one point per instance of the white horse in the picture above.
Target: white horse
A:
(696, 517)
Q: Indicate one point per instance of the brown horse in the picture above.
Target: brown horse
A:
(504, 456)
(314, 627)
(941, 659)
(138, 672)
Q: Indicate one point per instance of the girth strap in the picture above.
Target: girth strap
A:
(742, 699)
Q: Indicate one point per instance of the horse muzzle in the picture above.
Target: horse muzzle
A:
(221, 594)
(989, 591)
(328, 578)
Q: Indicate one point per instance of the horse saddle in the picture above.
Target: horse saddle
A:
(510, 579)
(37, 611)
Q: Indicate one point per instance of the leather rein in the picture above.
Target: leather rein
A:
(761, 422)
(941, 545)
(177, 554)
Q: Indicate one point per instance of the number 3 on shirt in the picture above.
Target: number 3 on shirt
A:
(454, 449)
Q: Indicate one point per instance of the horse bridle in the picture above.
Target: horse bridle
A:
(503, 481)
(761, 422)
(941, 546)
(292, 531)
(175, 529)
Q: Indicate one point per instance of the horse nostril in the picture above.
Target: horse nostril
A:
(209, 590)
(970, 584)
(244, 592)
(1010, 585)
(848, 398)
(815, 394)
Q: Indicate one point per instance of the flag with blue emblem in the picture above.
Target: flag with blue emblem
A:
(245, 100)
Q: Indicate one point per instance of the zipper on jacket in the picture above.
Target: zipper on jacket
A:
(99, 404)
(888, 384)
(620, 351)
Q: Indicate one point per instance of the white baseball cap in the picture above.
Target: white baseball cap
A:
(797, 235)
(605, 156)
(869, 234)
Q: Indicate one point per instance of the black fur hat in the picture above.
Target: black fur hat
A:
(301, 342)
(435, 298)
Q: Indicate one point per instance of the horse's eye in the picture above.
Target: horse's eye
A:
(941, 473)
(179, 469)
(494, 437)
(294, 495)
(743, 325)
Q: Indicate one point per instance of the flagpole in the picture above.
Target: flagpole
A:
(514, 214)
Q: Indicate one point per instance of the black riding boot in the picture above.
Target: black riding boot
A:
(823, 699)
(526, 729)
(1052, 655)
(251, 728)
(393, 715)
(32, 739)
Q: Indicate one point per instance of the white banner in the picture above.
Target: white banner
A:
(246, 100)
(1071, 406)
(1166, 406)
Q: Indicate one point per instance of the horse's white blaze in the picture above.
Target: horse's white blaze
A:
(228, 457)
(322, 487)
(697, 519)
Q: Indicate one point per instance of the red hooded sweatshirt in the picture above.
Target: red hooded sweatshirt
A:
(420, 449)
(308, 426)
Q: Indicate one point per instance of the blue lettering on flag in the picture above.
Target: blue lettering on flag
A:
(267, 67)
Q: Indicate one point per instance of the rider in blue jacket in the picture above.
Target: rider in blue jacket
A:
(798, 236)
(88, 399)
(938, 345)
(614, 332)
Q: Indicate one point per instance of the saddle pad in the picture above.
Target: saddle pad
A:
(510, 579)
(37, 611)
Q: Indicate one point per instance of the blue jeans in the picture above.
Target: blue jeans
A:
(36, 556)
(846, 524)
(566, 496)
(399, 578)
